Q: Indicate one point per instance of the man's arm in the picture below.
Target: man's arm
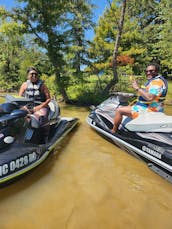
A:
(22, 89)
(146, 95)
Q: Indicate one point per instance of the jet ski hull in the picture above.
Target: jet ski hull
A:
(25, 141)
(153, 148)
(19, 159)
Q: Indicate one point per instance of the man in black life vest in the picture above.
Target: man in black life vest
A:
(35, 88)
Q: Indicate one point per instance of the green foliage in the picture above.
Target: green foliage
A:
(155, 21)
(59, 28)
(146, 35)
(169, 94)
(16, 54)
(10, 52)
(102, 46)
(50, 35)
(50, 83)
(89, 97)
(164, 39)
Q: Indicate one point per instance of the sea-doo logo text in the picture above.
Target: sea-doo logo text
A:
(152, 152)
(17, 164)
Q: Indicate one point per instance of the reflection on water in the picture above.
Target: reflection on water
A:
(87, 183)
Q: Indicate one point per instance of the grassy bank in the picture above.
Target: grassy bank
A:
(169, 94)
(90, 92)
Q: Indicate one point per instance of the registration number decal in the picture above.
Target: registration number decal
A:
(17, 164)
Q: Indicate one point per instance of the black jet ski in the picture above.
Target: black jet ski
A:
(22, 146)
(148, 137)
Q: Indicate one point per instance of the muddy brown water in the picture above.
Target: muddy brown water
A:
(88, 183)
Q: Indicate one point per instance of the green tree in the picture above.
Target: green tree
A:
(114, 80)
(144, 35)
(114, 39)
(17, 53)
(11, 48)
(155, 21)
(79, 22)
(163, 46)
(51, 23)
(46, 20)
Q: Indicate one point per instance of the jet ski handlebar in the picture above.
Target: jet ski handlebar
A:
(16, 103)
(21, 101)
(123, 94)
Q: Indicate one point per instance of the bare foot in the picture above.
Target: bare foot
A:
(113, 131)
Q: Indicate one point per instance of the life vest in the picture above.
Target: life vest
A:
(33, 91)
(160, 98)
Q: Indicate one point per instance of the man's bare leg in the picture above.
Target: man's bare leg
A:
(118, 116)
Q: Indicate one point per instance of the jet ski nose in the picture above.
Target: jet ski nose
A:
(92, 107)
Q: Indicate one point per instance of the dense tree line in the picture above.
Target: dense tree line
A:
(52, 36)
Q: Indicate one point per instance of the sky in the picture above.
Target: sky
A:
(101, 5)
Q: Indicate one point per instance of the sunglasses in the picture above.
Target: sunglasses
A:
(33, 74)
(149, 71)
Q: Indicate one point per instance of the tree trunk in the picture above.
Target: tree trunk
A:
(61, 88)
(115, 53)
(64, 95)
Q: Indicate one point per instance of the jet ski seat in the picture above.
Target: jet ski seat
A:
(151, 122)
(54, 110)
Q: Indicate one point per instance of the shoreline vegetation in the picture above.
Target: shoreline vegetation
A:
(92, 98)
(82, 70)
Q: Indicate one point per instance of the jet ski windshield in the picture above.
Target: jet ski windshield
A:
(21, 101)
(120, 98)
(108, 107)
